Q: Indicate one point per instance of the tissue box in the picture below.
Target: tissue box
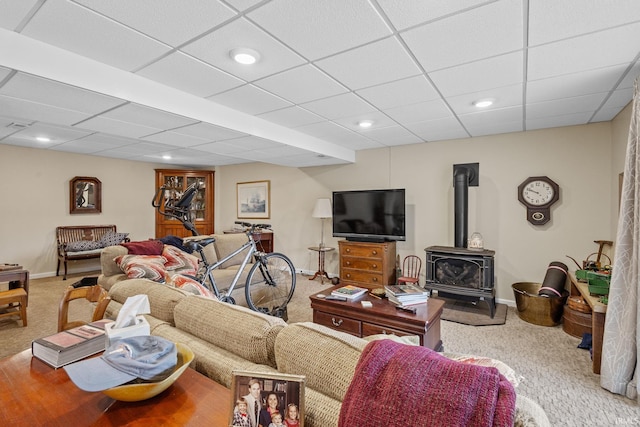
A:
(140, 328)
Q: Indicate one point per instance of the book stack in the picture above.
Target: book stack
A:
(71, 345)
(349, 292)
(406, 294)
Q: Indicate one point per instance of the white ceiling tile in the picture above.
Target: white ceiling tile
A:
(33, 111)
(401, 92)
(57, 134)
(326, 130)
(13, 12)
(166, 20)
(4, 72)
(499, 71)
(208, 132)
(292, 117)
(630, 77)
(551, 20)
(379, 120)
(619, 99)
(392, 135)
(430, 110)
(301, 84)
(575, 84)
(92, 36)
(318, 29)
(116, 127)
(588, 52)
(502, 120)
(44, 91)
(605, 114)
(502, 97)
(440, 129)
(557, 107)
(146, 116)
(340, 106)
(373, 64)
(557, 121)
(175, 139)
(95, 143)
(250, 99)
(243, 4)
(215, 49)
(407, 13)
(190, 75)
(489, 30)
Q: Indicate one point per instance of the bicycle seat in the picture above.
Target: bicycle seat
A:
(194, 245)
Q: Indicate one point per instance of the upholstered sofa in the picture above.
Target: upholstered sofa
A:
(224, 245)
(226, 337)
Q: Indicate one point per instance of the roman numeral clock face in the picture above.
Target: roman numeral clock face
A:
(538, 193)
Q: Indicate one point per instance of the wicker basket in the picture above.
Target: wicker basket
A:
(577, 303)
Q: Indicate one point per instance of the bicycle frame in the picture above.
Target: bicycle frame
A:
(251, 245)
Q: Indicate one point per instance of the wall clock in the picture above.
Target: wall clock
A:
(538, 193)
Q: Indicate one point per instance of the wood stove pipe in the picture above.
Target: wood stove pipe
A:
(464, 175)
(461, 206)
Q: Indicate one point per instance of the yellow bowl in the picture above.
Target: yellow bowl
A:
(143, 391)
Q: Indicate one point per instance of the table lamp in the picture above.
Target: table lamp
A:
(322, 210)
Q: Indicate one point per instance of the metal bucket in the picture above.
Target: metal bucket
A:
(536, 309)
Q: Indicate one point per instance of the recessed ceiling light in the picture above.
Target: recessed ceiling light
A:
(166, 157)
(365, 123)
(43, 139)
(244, 56)
(483, 103)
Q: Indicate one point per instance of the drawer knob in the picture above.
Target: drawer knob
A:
(374, 265)
(375, 279)
(347, 263)
(347, 250)
(335, 322)
(374, 252)
(349, 275)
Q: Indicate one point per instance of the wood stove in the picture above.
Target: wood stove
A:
(458, 272)
(461, 273)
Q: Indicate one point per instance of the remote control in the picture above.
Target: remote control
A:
(409, 309)
(334, 298)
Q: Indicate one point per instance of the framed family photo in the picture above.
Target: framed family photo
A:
(264, 399)
(254, 199)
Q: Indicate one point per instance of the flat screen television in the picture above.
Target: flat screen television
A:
(369, 215)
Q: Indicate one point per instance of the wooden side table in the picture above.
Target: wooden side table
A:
(322, 250)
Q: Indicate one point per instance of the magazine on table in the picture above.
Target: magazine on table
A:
(403, 290)
(349, 292)
(71, 345)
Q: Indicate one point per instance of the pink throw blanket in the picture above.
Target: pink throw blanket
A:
(401, 385)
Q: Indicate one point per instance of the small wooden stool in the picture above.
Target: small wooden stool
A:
(15, 296)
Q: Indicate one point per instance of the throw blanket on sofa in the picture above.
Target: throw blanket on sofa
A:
(401, 385)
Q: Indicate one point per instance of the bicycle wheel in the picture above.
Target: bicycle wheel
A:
(270, 284)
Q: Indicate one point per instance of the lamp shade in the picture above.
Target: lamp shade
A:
(322, 209)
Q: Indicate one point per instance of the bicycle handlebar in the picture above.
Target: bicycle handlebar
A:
(253, 226)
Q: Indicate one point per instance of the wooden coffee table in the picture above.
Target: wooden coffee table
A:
(382, 318)
(34, 394)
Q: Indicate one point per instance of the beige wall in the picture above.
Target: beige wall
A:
(578, 158)
(583, 160)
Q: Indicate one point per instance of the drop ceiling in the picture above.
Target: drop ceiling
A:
(153, 80)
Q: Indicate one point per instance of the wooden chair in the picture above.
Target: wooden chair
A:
(15, 298)
(94, 294)
(411, 267)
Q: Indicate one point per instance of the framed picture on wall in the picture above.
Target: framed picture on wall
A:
(265, 397)
(254, 199)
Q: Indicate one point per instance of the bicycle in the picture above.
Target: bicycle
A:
(270, 283)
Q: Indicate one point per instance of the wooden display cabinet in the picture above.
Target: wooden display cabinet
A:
(176, 182)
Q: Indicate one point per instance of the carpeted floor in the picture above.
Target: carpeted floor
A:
(554, 371)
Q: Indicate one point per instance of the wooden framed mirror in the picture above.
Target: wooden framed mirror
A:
(85, 195)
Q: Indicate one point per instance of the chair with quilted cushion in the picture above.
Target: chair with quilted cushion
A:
(95, 294)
